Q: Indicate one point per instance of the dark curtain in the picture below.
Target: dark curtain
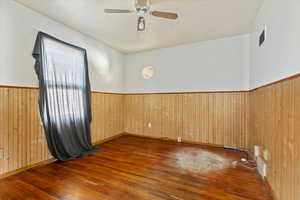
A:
(64, 97)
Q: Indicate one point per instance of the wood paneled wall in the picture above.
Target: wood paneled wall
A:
(4, 127)
(108, 114)
(214, 118)
(21, 132)
(275, 127)
(22, 136)
(268, 117)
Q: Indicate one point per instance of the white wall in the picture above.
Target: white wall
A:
(18, 30)
(218, 65)
(279, 57)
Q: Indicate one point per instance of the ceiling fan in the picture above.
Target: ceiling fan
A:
(142, 9)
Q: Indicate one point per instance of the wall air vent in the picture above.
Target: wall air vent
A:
(262, 37)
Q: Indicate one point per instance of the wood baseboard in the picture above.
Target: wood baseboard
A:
(269, 189)
(265, 180)
(187, 142)
(109, 139)
(46, 162)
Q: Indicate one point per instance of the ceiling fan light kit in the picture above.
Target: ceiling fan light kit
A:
(142, 8)
(141, 24)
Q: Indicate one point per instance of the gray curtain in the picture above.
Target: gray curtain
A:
(64, 97)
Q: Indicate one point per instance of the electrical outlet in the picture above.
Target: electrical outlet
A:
(262, 167)
(266, 155)
(1, 154)
(256, 151)
(179, 139)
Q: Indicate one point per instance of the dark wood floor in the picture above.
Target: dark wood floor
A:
(138, 168)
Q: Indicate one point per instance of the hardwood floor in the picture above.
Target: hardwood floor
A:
(140, 168)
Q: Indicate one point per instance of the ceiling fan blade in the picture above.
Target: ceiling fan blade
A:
(117, 11)
(167, 15)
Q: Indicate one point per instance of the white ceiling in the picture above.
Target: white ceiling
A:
(199, 20)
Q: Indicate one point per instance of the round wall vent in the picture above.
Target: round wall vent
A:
(148, 72)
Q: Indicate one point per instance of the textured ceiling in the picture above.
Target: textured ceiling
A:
(199, 20)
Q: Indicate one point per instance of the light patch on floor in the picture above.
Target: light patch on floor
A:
(200, 161)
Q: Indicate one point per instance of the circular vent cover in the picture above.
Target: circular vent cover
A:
(148, 72)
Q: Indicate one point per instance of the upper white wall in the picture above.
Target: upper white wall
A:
(217, 65)
(18, 29)
(279, 57)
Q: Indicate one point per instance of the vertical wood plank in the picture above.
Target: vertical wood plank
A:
(171, 112)
(4, 102)
(152, 115)
(134, 114)
(297, 139)
(98, 117)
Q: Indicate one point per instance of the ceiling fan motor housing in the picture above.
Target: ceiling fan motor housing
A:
(142, 8)
(142, 3)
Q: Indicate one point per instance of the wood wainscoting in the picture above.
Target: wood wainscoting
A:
(21, 134)
(275, 127)
(214, 118)
(268, 117)
(108, 115)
